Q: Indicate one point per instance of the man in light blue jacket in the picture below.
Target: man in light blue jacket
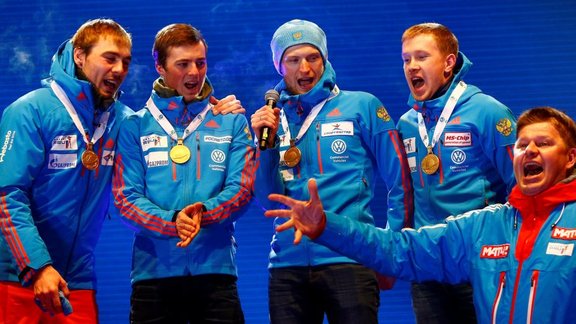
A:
(182, 175)
(344, 139)
(58, 146)
(458, 142)
(518, 256)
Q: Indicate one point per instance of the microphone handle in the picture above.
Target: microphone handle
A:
(265, 132)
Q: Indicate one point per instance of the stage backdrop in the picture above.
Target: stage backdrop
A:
(523, 54)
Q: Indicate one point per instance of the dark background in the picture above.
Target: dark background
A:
(523, 54)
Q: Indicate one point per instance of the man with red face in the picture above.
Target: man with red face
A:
(56, 165)
(458, 142)
(342, 138)
(519, 256)
(182, 174)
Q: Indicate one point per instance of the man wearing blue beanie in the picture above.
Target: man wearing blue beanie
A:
(340, 138)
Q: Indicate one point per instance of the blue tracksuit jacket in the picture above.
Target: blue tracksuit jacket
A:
(51, 207)
(480, 246)
(350, 141)
(475, 151)
(149, 188)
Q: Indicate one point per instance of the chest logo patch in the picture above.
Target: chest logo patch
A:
(153, 140)
(495, 251)
(338, 146)
(410, 145)
(457, 139)
(564, 233)
(560, 249)
(338, 129)
(65, 143)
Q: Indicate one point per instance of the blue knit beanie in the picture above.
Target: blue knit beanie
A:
(297, 32)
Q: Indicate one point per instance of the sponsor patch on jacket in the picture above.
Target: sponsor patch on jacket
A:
(339, 147)
(7, 144)
(217, 140)
(156, 159)
(337, 129)
(287, 174)
(65, 143)
(412, 163)
(560, 249)
(458, 156)
(495, 251)
(153, 140)
(457, 139)
(382, 113)
(62, 161)
(218, 157)
(504, 126)
(410, 145)
(107, 158)
(561, 233)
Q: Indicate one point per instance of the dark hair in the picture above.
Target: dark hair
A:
(174, 35)
(561, 122)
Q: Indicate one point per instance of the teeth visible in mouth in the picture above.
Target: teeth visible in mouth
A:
(305, 82)
(110, 83)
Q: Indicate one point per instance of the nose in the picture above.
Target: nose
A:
(304, 66)
(119, 67)
(192, 70)
(531, 149)
(410, 64)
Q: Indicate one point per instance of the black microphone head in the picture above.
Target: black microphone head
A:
(272, 95)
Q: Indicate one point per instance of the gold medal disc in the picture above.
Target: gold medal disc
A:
(180, 154)
(292, 156)
(90, 159)
(430, 163)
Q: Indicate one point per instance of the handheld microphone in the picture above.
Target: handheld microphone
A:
(271, 97)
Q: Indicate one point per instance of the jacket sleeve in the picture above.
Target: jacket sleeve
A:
(141, 214)
(22, 157)
(267, 177)
(237, 189)
(388, 150)
(499, 128)
(439, 252)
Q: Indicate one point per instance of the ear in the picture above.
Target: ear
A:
(160, 69)
(450, 63)
(79, 57)
(571, 158)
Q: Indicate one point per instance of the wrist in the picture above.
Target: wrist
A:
(320, 229)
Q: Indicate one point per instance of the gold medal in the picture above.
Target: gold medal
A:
(90, 158)
(180, 153)
(292, 155)
(430, 163)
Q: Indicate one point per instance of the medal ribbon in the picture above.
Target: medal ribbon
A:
(168, 128)
(309, 119)
(98, 132)
(446, 113)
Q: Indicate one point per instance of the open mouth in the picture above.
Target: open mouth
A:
(190, 85)
(305, 82)
(417, 82)
(532, 169)
(111, 84)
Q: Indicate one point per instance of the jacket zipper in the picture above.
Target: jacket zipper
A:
(198, 166)
(318, 149)
(501, 285)
(532, 296)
